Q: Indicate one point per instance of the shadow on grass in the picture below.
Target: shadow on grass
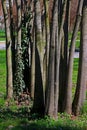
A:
(18, 113)
(39, 127)
(21, 119)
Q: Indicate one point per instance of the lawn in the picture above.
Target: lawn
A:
(2, 35)
(2, 76)
(14, 117)
(75, 69)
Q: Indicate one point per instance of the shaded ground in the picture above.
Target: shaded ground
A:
(21, 119)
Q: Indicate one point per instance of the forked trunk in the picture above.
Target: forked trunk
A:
(52, 90)
(68, 106)
(82, 72)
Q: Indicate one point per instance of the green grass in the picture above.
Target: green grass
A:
(2, 35)
(2, 68)
(64, 122)
(2, 77)
(2, 39)
(75, 70)
(19, 118)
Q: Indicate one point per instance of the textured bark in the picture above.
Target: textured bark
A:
(38, 33)
(60, 33)
(68, 106)
(9, 80)
(19, 83)
(12, 31)
(33, 55)
(64, 59)
(18, 2)
(33, 67)
(47, 36)
(82, 72)
(56, 84)
(52, 91)
(38, 97)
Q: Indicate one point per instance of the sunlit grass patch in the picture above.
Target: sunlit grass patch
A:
(2, 35)
(2, 77)
(75, 70)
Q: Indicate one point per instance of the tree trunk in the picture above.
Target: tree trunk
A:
(33, 66)
(47, 36)
(12, 31)
(68, 106)
(9, 80)
(38, 97)
(64, 59)
(33, 54)
(82, 72)
(19, 84)
(52, 90)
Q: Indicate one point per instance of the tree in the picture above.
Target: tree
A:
(80, 93)
(47, 38)
(9, 79)
(52, 90)
(41, 64)
(68, 106)
(33, 55)
(19, 84)
(64, 58)
(38, 105)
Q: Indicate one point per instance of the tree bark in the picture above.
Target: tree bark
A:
(12, 31)
(80, 93)
(68, 106)
(52, 90)
(19, 84)
(38, 105)
(9, 80)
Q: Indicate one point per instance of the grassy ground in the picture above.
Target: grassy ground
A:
(2, 35)
(64, 122)
(75, 69)
(14, 117)
(2, 77)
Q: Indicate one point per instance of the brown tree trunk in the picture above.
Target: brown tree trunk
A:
(82, 72)
(33, 67)
(19, 13)
(33, 53)
(9, 80)
(19, 83)
(68, 106)
(12, 31)
(38, 105)
(52, 90)
(64, 59)
(47, 38)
